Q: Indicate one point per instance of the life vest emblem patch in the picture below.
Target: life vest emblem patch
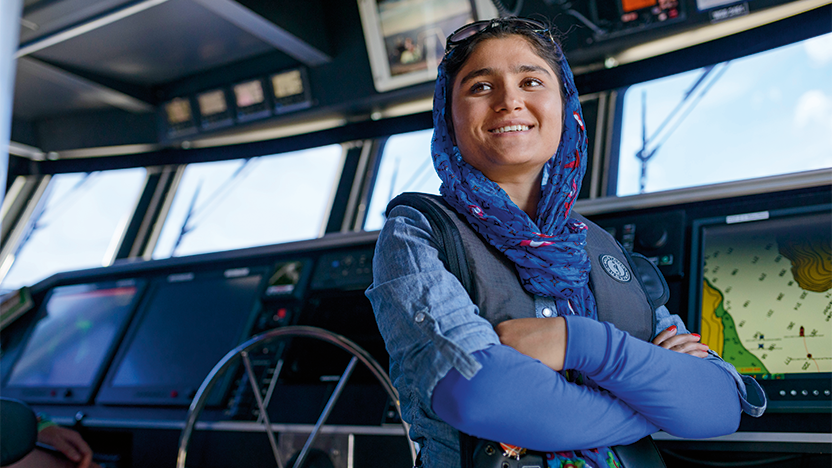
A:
(615, 268)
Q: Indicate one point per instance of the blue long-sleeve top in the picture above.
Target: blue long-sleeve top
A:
(644, 388)
(452, 373)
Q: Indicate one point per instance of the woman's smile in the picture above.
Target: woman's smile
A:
(512, 128)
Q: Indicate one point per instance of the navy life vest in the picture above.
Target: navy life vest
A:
(624, 298)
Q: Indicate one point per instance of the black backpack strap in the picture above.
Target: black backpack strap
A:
(641, 453)
(450, 246)
(652, 279)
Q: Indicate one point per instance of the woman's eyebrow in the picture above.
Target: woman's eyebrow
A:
(517, 70)
(476, 73)
(530, 69)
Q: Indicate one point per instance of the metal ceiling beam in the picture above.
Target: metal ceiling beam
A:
(267, 31)
(229, 10)
(80, 29)
(83, 86)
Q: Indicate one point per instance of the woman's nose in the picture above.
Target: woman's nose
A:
(509, 99)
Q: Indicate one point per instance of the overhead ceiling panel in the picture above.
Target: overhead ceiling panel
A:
(42, 90)
(160, 44)
(45, 17)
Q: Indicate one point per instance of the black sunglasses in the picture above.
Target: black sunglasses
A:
(472, 29)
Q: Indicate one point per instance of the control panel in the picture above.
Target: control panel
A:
(659, 237)
(351, 269)
(326, 293)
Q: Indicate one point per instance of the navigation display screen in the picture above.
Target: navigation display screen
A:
(188, 323)
(72, 340)
(766, 294)
(212, 103)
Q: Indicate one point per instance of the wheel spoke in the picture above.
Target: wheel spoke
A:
(263, 413)
(327, 409)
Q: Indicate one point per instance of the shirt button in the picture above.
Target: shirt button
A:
(420, 317)
(547, 312)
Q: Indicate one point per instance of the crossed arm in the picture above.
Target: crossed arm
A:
(517, 397)
(545, 339)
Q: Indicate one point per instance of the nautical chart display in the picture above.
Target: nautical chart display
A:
(767, 294)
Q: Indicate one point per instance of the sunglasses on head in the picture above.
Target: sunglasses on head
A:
(470, 30)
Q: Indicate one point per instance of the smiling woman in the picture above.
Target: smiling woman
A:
(507, 116)
(513, 362)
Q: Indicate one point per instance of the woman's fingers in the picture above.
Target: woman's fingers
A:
(686, 343)
(664, 335)
(69, 443)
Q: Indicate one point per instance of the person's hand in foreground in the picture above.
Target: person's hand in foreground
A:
(685, 344)
(69, 443)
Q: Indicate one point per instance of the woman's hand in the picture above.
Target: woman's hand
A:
(685, 344)
(543, 339)
(69, 443)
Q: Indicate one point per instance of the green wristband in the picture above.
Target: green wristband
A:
(44, 421)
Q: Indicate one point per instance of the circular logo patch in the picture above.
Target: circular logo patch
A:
(615, 268)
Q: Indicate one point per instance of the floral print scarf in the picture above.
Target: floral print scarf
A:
(549, 251)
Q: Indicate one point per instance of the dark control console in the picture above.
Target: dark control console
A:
(805, 394)
(326, 292)
(659, 237)
(350, 269)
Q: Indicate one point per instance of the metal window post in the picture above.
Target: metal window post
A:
(10, 11)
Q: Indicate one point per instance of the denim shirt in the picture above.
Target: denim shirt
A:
(430, 325)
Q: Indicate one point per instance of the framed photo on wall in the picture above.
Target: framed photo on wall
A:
(406, 38)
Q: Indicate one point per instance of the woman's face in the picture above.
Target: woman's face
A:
(507, 110)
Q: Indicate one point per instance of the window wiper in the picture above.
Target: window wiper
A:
(190, 223)
(36, 220)
(685, 106)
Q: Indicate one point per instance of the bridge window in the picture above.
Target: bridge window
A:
(78, 223)
(242, 203)
(406, 166)
(761, 115)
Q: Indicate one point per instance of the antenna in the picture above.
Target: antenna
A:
(686, 105)
(643, 155)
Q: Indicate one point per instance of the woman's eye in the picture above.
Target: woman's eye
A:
(532, 82)
(479, 87)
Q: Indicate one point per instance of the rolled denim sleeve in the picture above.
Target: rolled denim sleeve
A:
(752, 397)
(425, 316)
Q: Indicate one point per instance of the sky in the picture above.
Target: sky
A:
(770, 113)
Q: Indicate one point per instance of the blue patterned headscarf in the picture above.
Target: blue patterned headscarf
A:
(549, 251)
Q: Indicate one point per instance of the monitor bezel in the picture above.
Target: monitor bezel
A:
(383, 79)
(54, 394)
(695, 302)
(157, 395)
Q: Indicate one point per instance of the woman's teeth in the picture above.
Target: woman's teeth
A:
(511, 128)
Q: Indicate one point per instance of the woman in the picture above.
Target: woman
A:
(509, 145)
